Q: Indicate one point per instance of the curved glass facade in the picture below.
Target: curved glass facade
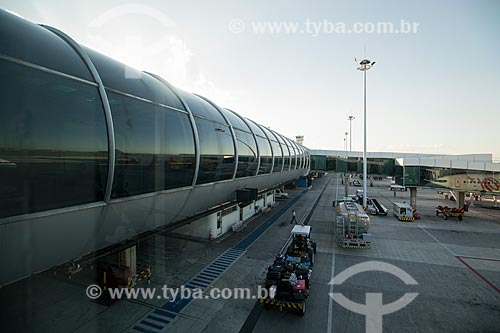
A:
(286, 152)
(217, 160)
(118, 76)
(154, 147)
(277, 152)
(55, 141)
(247, 154)
(36, 45)
(235, 120)
(201, 108)
(266, 155)
(293, 154)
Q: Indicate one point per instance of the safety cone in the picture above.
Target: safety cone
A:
(210, 236)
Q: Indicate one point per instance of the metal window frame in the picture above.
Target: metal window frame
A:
(233, 134)
(288, 149)
(281, 148)
(270, 145)
(193, 125)
(293, 165)
(45, 69)
(105, 102)
(145, 100)
(254, 138)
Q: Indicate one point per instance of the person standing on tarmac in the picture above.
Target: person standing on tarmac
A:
(294, 218)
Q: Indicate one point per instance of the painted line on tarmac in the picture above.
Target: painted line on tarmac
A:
(481, 276)
(330, 299)
(460, 258)
(332, 275)
(479, 258)
(437, 240)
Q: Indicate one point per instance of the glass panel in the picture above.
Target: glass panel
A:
(200, 107)
(266, 157)
(154, 147)
(299, 155)
(255, 129)
(278, 156)
(412, 176)
(118, 76)
(53, 147)
(301, 158)
(235, 120)
(319, 163)
(294, 154)
(247, 154)
(30, 42)
(286, 153)
(216, 150)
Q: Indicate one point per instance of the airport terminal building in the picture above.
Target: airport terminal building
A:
(469, 171)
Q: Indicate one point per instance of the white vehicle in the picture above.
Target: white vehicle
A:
(397, 188)
(356, 182)
(278, 193)
(403, 211)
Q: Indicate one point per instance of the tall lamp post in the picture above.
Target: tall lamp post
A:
(364, 66)
(350, 118)
(345, 144)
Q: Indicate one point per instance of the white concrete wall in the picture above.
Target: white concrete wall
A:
(200, 228)
(270, 200)
(229, 220)
(248, 211)
(259, 204)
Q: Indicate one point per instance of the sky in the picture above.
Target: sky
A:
(433, 89)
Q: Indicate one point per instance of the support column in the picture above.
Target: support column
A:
(461, 199)
(413, 197)
(346, 185)
(131, 259)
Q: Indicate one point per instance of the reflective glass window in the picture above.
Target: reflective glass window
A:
(154, 147)
(235, 120)
(255, 129)
(32, 43)
(299, 155)
(266, 156)
(200, 107)
(293, 154)
(286, 153)
(53, 142)
(247, 154)
(303, 157)
(216, 151)
(278, 156)
(118, 76)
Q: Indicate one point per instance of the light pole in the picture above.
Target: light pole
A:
(364, 66)
(350, 118)
(345, 144)
(346, 178)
